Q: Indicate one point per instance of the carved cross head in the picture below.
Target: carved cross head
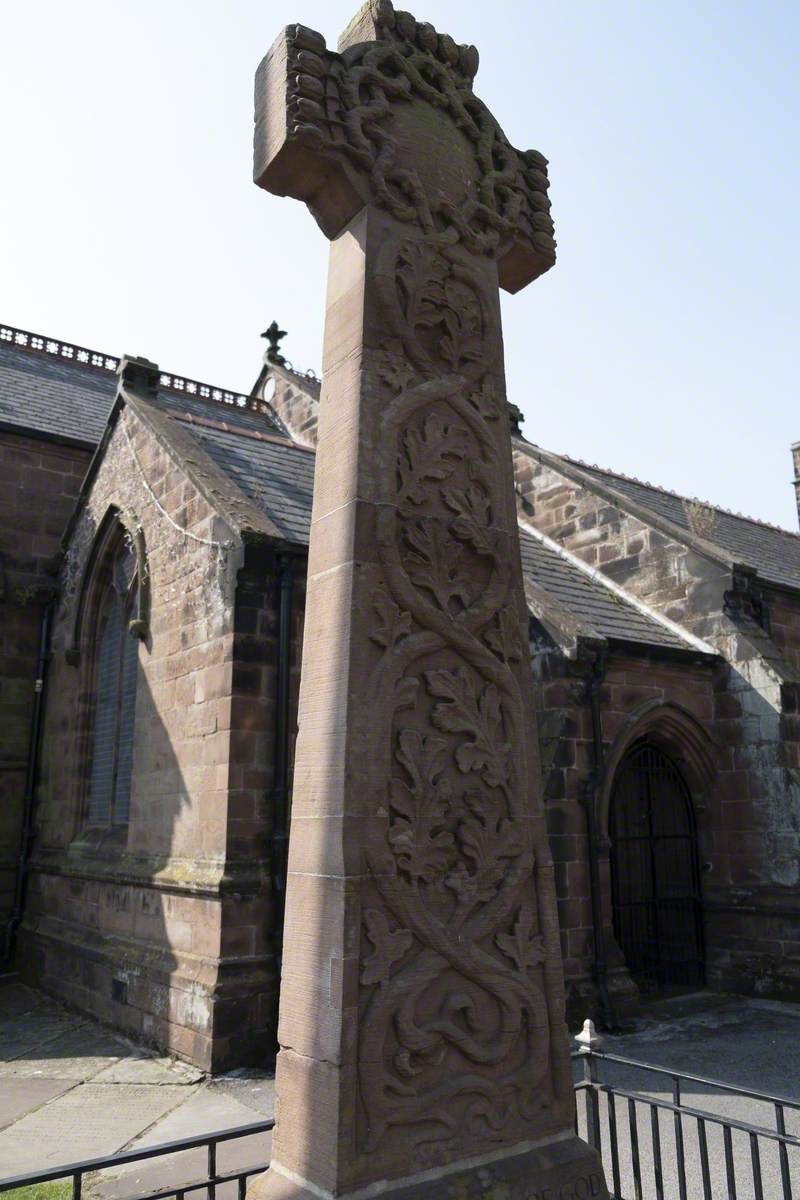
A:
(390, 118)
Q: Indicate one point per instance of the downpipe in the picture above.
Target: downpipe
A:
(608, 1020)
(31, 775)
(280, 787)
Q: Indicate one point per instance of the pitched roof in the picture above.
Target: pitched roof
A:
(274, 472)
(601, 608)
(278, 476)
(64, 391)
(773, 552)
(61, 390)
(56, 397)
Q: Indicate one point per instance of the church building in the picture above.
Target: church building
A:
(153, 542)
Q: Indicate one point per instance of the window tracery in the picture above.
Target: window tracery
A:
(115, 674)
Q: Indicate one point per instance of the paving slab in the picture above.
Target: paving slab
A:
(86, 1122)
(143, 1069)
(177, 1170)
(207, 1111)
(35, 1027)
(253, 1089)
(86, 1092)
(17, 998)
(77, 1053)
(27, 1095)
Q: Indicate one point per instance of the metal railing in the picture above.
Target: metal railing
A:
(654, 1145)
(697, 1153)
(212, 1179)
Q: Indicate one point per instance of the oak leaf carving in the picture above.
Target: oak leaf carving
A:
(504, 637)
(422, 845)
(395, 370)
(523, 947)
(485, 401)
(489, 838)
(420, 275)
(461, 317)
(433, 562)
(429, 453)
(432, 298)
(398, 376)
(390, 946)
(394, 622)
(472, 507)
(465, 709)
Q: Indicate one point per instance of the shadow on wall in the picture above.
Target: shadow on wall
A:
(124, 921)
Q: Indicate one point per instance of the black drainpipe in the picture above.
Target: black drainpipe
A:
(607, 1016)
(280, 785)
(26, 831)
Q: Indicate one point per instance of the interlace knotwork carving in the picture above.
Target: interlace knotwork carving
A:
(453, 994)
(353, 104)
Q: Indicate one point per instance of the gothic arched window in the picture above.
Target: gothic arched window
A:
(116, 663)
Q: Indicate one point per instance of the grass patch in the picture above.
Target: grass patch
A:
(57, 1189)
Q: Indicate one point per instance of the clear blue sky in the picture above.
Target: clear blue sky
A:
(663, 343)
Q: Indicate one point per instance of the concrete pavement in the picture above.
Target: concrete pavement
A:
(71, 1089)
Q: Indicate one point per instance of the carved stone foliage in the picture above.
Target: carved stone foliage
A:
(453, 998)
(364, 106)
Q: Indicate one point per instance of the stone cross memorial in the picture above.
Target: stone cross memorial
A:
(423, 1045)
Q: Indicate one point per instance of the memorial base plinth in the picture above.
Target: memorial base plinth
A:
(566, 1169)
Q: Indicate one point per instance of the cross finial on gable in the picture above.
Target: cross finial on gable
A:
(274, 336)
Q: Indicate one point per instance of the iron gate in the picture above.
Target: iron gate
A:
(655, 874)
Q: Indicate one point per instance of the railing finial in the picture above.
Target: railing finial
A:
(588, 1038)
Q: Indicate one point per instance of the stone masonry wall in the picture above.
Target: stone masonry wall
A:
(135, 925)
(564, 726)
(39, 481)
(751, 894)
(630, 685)
(249, 922)
(295, 401)
(784, 625)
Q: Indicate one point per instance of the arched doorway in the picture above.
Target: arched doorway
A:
(655, 873)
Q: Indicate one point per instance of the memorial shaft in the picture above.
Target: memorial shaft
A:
(421, 1017)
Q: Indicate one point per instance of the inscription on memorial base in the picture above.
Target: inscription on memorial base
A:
(423, 1046)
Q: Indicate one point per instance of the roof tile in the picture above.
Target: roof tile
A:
(774, 553)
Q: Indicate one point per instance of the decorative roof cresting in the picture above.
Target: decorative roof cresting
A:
(107, 364)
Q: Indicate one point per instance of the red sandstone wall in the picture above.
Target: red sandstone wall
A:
(249, 920)
(784, 625)
(755, 843)
(565, 733)
(39, 481)
(139, 927)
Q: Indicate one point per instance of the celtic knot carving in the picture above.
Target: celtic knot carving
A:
(352, 105)
(453, 994)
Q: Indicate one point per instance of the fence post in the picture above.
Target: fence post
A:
(588, 1042)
